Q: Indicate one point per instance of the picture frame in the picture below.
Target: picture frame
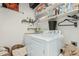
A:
(11, 6)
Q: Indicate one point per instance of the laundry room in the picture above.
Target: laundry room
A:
(39, 29)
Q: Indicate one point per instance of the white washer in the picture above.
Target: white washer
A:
(44, 44)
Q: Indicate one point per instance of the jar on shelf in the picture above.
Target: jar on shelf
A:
(62, 8)
(69, 7)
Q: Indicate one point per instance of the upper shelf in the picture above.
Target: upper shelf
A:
(60, 15)
(56, 5)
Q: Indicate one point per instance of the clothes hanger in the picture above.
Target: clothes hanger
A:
(73, 16)
(73, 23)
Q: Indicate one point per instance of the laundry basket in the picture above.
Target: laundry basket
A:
(18, 50)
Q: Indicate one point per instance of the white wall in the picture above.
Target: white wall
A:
(11, 28)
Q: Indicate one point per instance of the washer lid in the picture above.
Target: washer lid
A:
(47, 36)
